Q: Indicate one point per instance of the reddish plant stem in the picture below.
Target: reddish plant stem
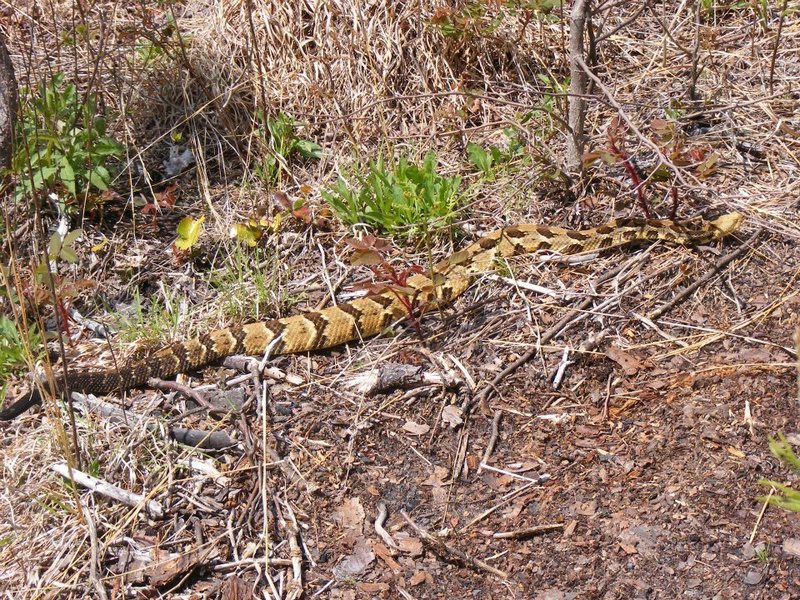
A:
(401, 280)
(636, 181)
(63, 317)
(674, 211)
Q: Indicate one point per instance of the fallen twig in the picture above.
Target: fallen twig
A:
(446, 551)
(94, 560)
(208, 440)
(174, 386)
(498, 414)
(721, 263)
(527, 532)
(391, 376)
(108, 490)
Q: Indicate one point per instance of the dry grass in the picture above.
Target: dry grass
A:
(379, 76)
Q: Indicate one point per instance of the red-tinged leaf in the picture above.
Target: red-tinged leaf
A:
(149, 209)
(168, 195)
(616, 130)
(356, 244)
(368, 242)
(441, 14)
(663, 129)
(179, 255)
(366, 257)
(108, 195)
(303, 213)
(698, 153)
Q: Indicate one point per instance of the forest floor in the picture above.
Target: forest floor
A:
(622, 455)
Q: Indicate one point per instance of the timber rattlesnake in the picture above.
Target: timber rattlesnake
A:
(371, 314)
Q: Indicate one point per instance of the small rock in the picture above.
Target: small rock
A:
(753, 577)
(792, 546)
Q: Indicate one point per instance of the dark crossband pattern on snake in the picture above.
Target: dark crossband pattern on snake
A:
(372, 314)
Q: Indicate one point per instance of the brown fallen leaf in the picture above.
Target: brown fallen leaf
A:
(451, 414)
(410, 545)
(438, 477)
(162, 573)
(628, 548)
(386, 556)
(586, 509)
(373, 587)
(630, 364)
(356, 563)
(350, 515)
(415, 428)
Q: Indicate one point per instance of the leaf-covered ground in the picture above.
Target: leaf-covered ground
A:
(621, 458)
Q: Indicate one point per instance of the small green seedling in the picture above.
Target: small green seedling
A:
(279, 133)
(787, 497)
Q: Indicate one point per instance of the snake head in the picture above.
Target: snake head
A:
(726, 224)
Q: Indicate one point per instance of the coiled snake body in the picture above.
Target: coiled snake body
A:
(372, 314)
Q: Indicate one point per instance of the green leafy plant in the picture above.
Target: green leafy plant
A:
(482, 18)
(62, 143)
(280, 135)
(12, 348)
(406, 200)
(787, 497)
(487, 159)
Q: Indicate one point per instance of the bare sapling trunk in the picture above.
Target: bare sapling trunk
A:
(576, 116)
(8, 106)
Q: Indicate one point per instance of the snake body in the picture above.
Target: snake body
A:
(372, 314)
